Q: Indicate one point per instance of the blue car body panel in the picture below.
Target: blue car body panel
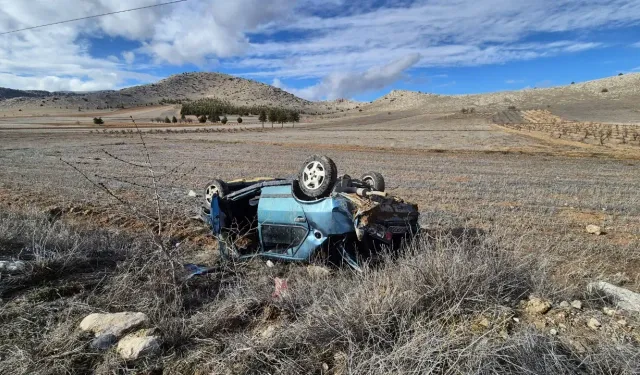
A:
(278, 206)
(321, 219)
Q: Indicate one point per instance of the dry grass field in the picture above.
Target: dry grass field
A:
(504, 207)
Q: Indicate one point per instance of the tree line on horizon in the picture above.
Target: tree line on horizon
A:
(212, 109)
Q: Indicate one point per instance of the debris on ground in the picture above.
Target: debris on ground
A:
(576, 304)
(139, 344)
(192, 194)
(196, 270)
(623, 298)
(12, 267)
(594, 229)
(116, 324)
(270, 264)
(280, 289)
(564, 304)
(537, 305)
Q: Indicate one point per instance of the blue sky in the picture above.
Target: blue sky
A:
(323, 49)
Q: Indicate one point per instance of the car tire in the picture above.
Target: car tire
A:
(215, 187)
(317, 176)
(374, 180)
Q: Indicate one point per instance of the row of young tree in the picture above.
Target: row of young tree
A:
(214, 109)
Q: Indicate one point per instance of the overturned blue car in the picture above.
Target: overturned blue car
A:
(317, 215)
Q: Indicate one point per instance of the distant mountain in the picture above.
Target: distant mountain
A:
(6, 93)
(180, 87)
(612, 99)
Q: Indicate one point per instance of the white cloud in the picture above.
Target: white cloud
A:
(129, 57)
(636, 45)
(346, 84)
(341, 51)
(513, 81)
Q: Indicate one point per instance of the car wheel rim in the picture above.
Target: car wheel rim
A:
(369, 181)
(313, 175)
(211, 190)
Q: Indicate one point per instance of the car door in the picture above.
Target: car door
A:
(282, 223)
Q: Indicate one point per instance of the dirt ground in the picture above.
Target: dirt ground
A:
(461, 171)
(537, 194)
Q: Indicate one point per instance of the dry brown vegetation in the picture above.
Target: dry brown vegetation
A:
(504, 211)
(446, 305)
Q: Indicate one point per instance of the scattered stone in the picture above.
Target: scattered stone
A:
(564, 304)
(562, 326)
(132, 347)
(537, 305)
(594, 229)
(624, 298)
(17, 266)
(609, 311)
(192, 194)
(116, 324)
(516, 320)
(576, 304)
(318, 272)
(593, 323)
(553, 331)
(268, 332)
(325, 367)
(485, 323)
(622, 322)
(104, 341)
(270, 264)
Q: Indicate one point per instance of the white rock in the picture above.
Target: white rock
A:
(576, 304)
(594, 229)
(116, 324)
(609, 311)
(564, 304)
(133, 347)
(270, 264)
(12, 267)
(192, 194)
(516, 320)
(593, 323)
(553, 331)
(537, 305)
(624, 298)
